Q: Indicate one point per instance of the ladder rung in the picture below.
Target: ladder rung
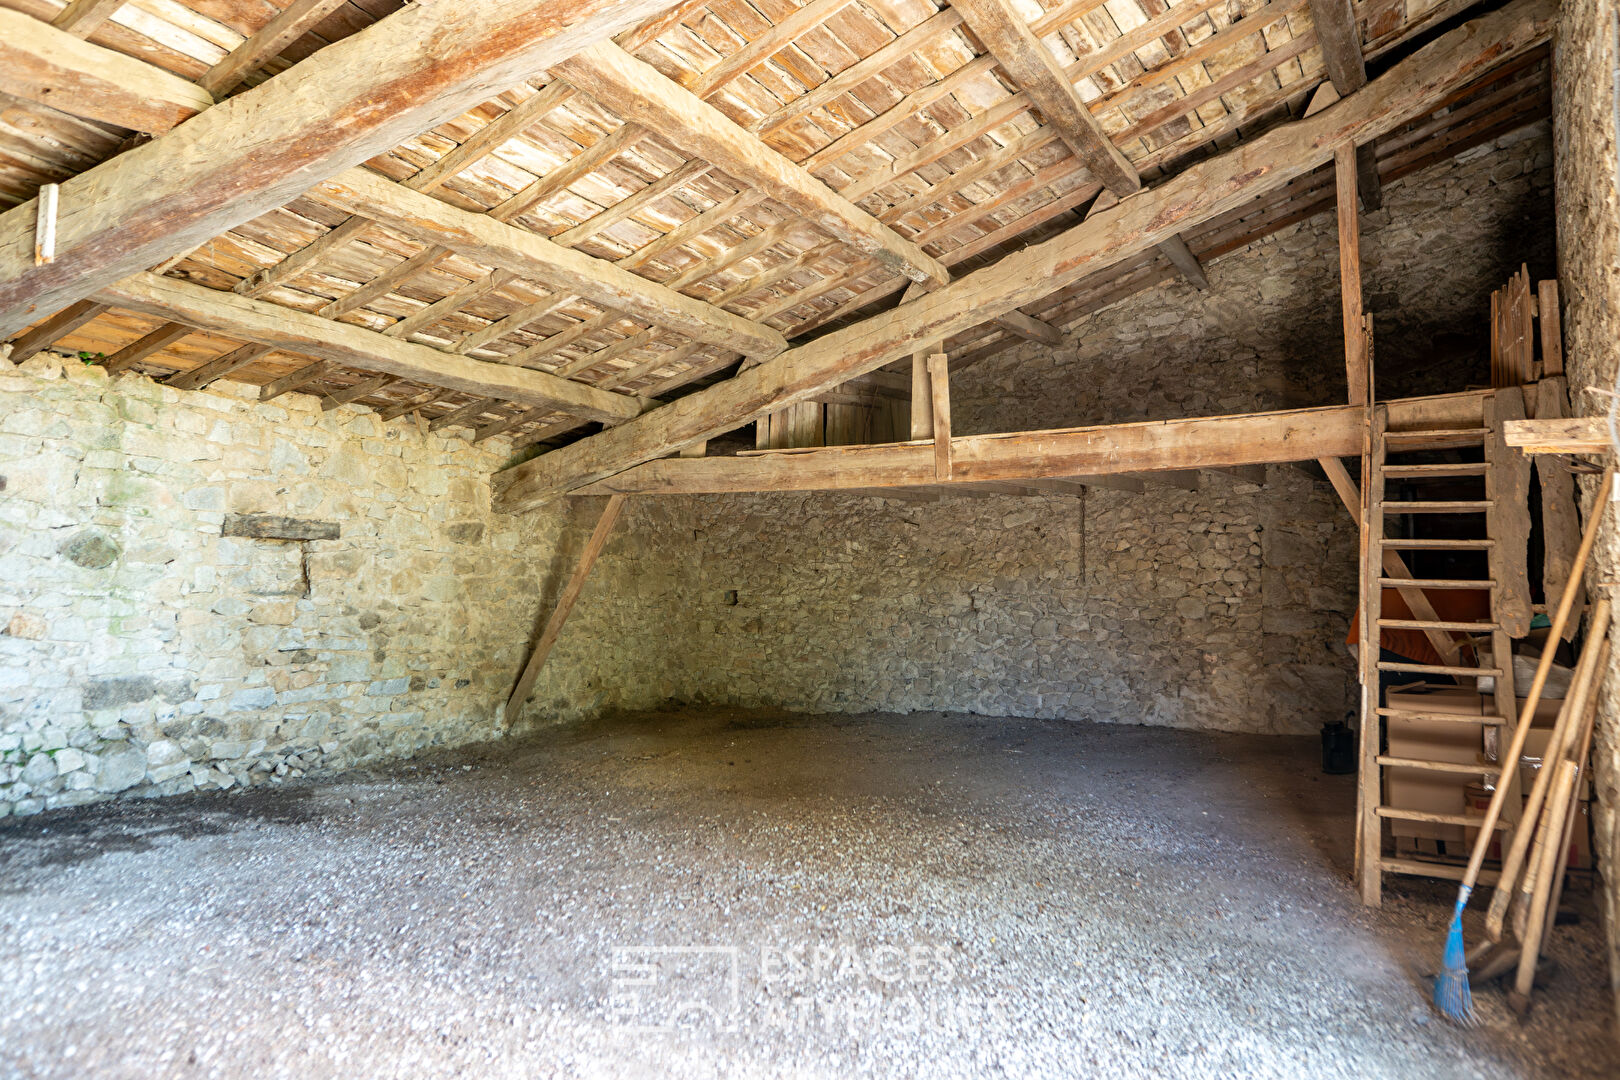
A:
(1438, 669)
(1449, 871)
(1441, 717)
(1467, 820)
(1437, 583)
(1436, 438)
(1437, 545)
(1443, 506)
(1439, 624)
(1473, 468)
(1481, 769)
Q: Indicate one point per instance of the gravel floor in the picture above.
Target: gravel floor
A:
(712, 893)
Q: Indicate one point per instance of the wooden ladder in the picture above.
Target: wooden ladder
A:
(1384, 567)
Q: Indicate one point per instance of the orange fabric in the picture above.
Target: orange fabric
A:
(1452, 605)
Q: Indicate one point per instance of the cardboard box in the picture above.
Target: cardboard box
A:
(1580, 837)
(1534, 758)
(1431, 740)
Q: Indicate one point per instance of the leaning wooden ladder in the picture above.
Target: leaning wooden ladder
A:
(1383, 567)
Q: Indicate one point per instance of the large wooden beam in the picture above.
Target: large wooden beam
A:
(1411, 88)
(405, 74)
(40, 63)
(353, 346)
(1033, 69)
(482, 238)
(565, 605)
(1152, 449)
(640, 94)
(1340, 41)
(1172, 445)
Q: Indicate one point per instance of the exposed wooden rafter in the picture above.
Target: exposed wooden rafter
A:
(1409, 89)
(353, 99)
(353, 346)
(639, 94)
(1340, 37)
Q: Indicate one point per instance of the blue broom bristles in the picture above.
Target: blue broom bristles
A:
(1451, 994)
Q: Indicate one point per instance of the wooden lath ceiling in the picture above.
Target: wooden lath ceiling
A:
(895, 105)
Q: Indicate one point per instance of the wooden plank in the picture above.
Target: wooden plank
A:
(1509, 516)
(1552, 337)
(1560, 524)
(1032, 68)
(40, 63)
(1409, 89)
(939, 392)
(299, 332)
(1355, 340)
(358, 97)
(528, 255)
(264, 45)
(640, 94)
(565, 605)
(1575, 435)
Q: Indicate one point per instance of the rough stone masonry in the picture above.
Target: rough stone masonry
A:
(201, 591)
(369, 604)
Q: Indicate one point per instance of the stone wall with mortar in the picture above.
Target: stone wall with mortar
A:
(1224, 607)
(1586, 94)
(143, 652)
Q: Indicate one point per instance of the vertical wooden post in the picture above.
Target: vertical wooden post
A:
(922, 398)
(939, 384)
(1355, 337)
(565, 604)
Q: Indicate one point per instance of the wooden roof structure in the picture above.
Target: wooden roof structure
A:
(528, 218)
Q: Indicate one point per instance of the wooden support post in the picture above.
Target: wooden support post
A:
(922, 398)
(940, 394)
(565, 604)
(1355, 339)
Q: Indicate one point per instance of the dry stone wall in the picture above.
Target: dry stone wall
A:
(145, 652)
(1586, 85)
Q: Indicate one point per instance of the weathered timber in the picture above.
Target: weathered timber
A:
(40, 63)
(1141, 450)
(356, 98)
(1509, 516)
(299, 332)
(486, 240)
(1409, 89)
(640, 94)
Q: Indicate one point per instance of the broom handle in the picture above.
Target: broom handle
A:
(1574, 822)
(1541, 864)
(1583, 690)
(1493, 813)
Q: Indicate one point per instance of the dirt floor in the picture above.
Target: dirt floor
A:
(709, 893)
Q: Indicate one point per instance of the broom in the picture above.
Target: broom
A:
(1451, 994)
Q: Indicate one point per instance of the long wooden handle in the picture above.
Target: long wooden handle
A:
(1582, 693)
(1493, 813)
(1542, 860)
